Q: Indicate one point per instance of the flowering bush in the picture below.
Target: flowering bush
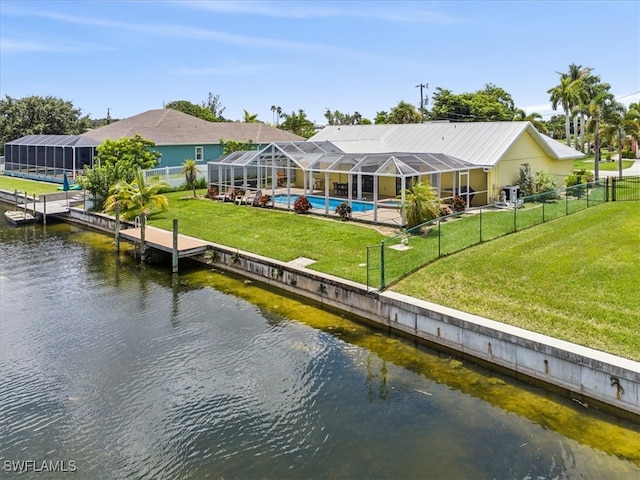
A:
(302, 205)
(344, 211)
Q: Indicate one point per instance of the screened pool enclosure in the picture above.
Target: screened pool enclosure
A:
(48, 157)
(322, 169)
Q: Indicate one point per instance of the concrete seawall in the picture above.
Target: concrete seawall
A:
(591, 376)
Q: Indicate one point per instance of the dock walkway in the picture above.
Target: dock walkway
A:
(163, 240)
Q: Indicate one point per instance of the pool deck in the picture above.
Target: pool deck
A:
(386, 214)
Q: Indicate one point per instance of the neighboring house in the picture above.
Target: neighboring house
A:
(177, 136)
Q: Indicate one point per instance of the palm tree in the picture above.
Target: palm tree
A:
(248, 118)
(534, 118)
(421, 203)
(564, 94)
(137, 197)
(599, 110)
(190, 170)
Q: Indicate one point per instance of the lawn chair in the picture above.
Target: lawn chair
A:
(227, 197)
(242, 200)
(256, 198)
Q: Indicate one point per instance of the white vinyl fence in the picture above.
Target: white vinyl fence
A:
(173, 175)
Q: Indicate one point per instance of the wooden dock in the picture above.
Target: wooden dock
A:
(163, 240)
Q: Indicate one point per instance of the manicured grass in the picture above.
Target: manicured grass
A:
(575, 278)
(338, 247)
(587, 163)
(31, 187)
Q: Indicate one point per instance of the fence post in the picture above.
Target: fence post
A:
(613, 189)
(439, 241)
(382, 266)
(515, 211)
(587, 194)
(566, 203)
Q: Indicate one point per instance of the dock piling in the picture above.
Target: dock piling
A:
(175, 246)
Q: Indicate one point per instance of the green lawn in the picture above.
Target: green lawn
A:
(575, 278)
(338, 247)
(587, 163)
(31, 187)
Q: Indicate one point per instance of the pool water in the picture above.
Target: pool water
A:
(319, 203)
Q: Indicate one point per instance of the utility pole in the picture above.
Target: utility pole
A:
(422, 86)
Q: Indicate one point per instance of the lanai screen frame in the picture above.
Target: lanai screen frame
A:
(49, 156)
(314, 159)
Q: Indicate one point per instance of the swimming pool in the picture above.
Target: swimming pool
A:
(319, 203)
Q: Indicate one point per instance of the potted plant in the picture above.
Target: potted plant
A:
(344, 211)
(302, 204)
(264, 201)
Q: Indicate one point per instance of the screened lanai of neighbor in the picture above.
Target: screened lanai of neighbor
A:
(323, 171)
(49, 156)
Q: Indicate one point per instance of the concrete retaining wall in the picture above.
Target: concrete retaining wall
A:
(611, 381)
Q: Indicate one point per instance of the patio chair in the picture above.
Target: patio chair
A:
(227, 197)
(242, 200)
(256, 197)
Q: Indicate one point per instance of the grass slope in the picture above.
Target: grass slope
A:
(575, 278)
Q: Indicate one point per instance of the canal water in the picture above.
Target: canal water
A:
(113, 369)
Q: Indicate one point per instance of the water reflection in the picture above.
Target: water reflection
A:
(136, 373)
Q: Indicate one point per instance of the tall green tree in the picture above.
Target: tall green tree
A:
(192, 109)
(230, 146)
(338, 118)
(298, 124)
(36, 115)
(214, 105)
(117, 160)
(490, 104)
(137, 197)
(564, 94)
(404, 113)
(190, 171)
(600, 109)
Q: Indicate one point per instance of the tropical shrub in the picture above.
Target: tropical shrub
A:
(302, 204)
(421, 203)
(344, 211)
(445, 210)
(458, 204)
(544, 184)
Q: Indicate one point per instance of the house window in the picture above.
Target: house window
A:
(199, 154)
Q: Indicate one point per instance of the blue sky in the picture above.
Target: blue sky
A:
(133, 56)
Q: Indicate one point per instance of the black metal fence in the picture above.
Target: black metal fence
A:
(621, 189)
(414, 248)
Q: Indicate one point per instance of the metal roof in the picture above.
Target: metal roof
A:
(479, 143)
(55, 141)
(326, 157)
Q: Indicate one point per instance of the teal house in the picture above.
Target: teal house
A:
(179, 137)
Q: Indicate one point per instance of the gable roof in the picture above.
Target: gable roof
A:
(479, 143)
(171, 127)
